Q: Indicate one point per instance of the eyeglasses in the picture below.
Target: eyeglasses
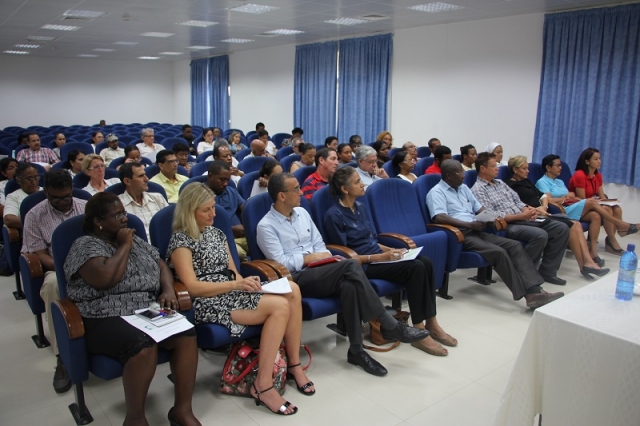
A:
(35, 178)
(119, 216)
(148, 136)
(54, 199)
(98, 167)
(172, 161)
(294, 189)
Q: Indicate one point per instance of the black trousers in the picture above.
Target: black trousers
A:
(417, 276)
(347, 280)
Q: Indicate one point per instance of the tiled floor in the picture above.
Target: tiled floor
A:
(463, 388)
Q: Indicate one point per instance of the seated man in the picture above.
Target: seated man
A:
(39, 225)
(135, 199)
(433, 143)
(296, 133)
(223, 153)
(442, 153)
(355, 142)
(112, 151)
(258, 149)
(229, 199)
(287, 235)
(368, 169)
(182, 154)
(36, 153)
(411, 149)
(326, 161)
(271, 149)
(169, 178)
(187, 135)
(28, 178)
(451, 202)
(147, 147)
(549, 236)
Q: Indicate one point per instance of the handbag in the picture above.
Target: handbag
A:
(241, 369)
(375, 335)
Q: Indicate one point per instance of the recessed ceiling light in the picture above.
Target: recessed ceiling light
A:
(86, 55)
(170, 53)
(237, 40)
(82, 13)
(148, 57)
(126, 43)
(16, 52)
(347, 21)
(40, 38)
(27, 46)
(198, 23)
(154, 34)
(99, 49)
(436, 7)
(200, 47)
(254, 8)
(283, 31)
(60, 27)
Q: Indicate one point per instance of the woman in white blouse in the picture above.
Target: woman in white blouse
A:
(405, 163)
(206, 144)
(93, 166)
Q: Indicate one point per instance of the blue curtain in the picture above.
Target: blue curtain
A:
(314, 92)
(590, 89)
(209, 92)
(365, 66)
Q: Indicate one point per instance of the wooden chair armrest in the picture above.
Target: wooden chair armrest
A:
(182, 295)
(72, 317)
(501, 224)
(35, 267)
(405, 240)
(262, 268)
(280, 269)
(455, 231)
(344, 251)
(560, 207)
(14, 234)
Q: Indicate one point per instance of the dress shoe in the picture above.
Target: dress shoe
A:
(554, 280)
(536, 300)
(599, 272)
(61, 380)
(598, 261)
(403, 333)
(365, 361)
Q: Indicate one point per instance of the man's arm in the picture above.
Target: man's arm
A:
(45, 260)
(445, 219)
(271, 246)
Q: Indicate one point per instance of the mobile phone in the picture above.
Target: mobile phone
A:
(150, 314)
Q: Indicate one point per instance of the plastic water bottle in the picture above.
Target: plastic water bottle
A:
(627, 273)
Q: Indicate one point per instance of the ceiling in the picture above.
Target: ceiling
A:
(126, 20)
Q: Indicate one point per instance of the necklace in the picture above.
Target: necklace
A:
(350, 208)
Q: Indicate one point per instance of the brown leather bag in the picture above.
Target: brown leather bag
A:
(375, 336)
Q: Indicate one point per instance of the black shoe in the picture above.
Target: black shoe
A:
(403, 333)
(61, 380)
(599, 272)
(554, 280)
(365, 361)
(598, 261)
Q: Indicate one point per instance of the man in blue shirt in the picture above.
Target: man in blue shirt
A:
(451, 202)
(287, 235)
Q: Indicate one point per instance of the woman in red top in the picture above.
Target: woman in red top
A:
(586, 182)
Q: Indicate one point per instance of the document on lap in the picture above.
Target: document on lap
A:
(159, 332)
(486, 217)
(280, 286)
(411, 254)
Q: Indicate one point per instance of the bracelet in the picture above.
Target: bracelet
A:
(369, 259)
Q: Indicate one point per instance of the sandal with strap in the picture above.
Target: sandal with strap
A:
(633, 228)
(281, 410)
(447, 341)
(302, 389)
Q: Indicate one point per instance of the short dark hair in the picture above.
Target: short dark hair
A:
(21, 137)
(57, 179)
(126, 170)
(128, 149)
(464, 150)
(94, 134)
(342, 146)
(259, 124)
(449, 166)
(262, 133)
(377, 145)
(353, 138)
(585, 156)
(322, 153)
(548, 161)
(180, 147)
(217, 166)
(29, 134)
(483, 160)
(306, 147)
(96, 208)
(330, 139)
(432, 140)
(399, 158)
(339, 179)
(161, 156)
(441, 151)
(277, 184)
(298, 130)
(185, 126)
(204, 132)
(23, 167)
(267, 168)
(216, 150)
(4, 165)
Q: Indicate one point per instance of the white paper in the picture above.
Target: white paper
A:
(486, 216)
(158, 333)
(409, 255)
(609, 203)
(280, 286)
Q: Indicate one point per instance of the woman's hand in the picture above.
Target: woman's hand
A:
(542, 211)
(262, 182)
(125, 236)
(249, 284)
(393, 254)
(167, 299)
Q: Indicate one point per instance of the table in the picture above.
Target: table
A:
(579, 363)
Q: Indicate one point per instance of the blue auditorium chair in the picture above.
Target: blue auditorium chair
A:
(245, 184)
(287, 161)
(252, 164)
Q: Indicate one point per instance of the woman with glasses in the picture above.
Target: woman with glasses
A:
(405, 164)
(111, 273)
(93, 166)
(27, 176)
(8, 168)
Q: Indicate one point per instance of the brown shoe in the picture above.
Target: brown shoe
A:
(536, 300)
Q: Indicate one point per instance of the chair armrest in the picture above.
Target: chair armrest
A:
(559, 207)
(14, 234)
(280, 269)
(35, 267)
(72, 317)
(262, 268)
(405, 240)
(343, 251)
(182, 294)
(501, 224)
(455, 231)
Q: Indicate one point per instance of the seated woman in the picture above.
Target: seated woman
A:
(206, 142)
(74, 162)
(93, 166)
(469, 156)
(307, 157)
(96, 138)
(576, 208)
(385, 136)
(346, 223)
(60, 140)
(8, 168)
(235, 143)
(268, 169)
(587, 182)
(382, 149)
(345, 155)
(331, 142)
(530, 195)
(200, 256)
(405, 163)
(496, 148)
(111, 272)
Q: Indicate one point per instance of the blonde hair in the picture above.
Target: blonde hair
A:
(383, 134)
(516, 162)
(193, 196)
(86, 163)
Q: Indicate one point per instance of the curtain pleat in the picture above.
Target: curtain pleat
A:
(209, 92)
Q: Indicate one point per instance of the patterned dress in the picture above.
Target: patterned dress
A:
(210, 263)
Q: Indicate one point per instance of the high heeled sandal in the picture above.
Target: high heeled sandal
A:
(302, 389)
(280, 411)
(610, 249)
(633, 228)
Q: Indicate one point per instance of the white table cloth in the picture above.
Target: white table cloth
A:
(579, 363)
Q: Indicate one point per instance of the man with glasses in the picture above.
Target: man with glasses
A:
(412, 150)
(451, 202)
(28, 178)
(36, 153)
(39, 224)
(169, 178)
(368, 169)
(112, 151)
(182, 154)
(147, 147)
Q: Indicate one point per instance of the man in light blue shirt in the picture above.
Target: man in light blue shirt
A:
(287, 235)
(451, 202)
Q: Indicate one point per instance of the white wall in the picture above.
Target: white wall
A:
(47, 91)
(181, 72)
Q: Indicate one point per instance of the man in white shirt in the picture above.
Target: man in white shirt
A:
(112, 151)
(147, 147)
(368, 166)
(135, 199)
